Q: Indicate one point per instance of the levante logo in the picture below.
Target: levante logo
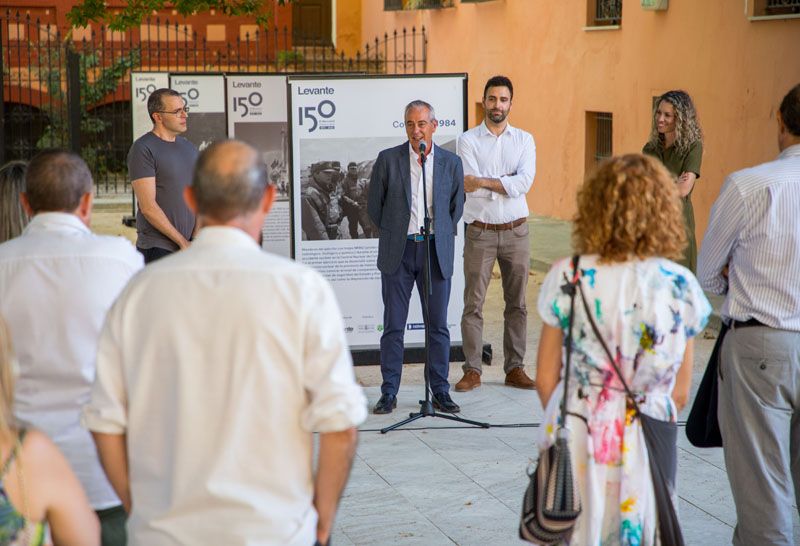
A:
(319, 116)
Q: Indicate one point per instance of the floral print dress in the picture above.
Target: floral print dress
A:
(646, 311)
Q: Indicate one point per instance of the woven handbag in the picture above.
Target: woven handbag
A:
(551, 504)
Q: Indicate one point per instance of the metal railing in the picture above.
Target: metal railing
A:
(604, 136)
(778, 7)
(608, 12)
(397, 5)
(61, 92)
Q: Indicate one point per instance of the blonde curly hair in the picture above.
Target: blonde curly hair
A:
(629, 207)
(687, 127)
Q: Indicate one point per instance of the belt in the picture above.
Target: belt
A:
(499, 227)
(745, 323)
(418, 237)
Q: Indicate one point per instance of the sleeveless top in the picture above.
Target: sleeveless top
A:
(15, 529)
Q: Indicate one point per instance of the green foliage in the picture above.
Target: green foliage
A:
(96, 81)
(289, 56)
(135, 11)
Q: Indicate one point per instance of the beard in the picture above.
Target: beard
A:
(497, 116)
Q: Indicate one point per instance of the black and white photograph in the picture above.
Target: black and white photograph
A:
(203, 128)
(271, 141)
(334, 184)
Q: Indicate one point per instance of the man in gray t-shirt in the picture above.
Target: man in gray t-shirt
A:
(160, 166)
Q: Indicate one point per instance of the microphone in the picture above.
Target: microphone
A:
(422, 147)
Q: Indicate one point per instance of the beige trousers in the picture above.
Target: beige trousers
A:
(511, 250)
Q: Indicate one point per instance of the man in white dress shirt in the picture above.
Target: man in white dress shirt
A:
(57, 282)
(215, 366)
(499, 166)
(751, 254)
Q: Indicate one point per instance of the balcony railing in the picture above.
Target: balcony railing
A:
(608, 12)
(399, 5)
(781, 7)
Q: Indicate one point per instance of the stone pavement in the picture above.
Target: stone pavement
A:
(431, 483)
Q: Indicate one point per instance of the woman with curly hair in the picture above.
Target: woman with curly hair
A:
(13, 217)
(677, 140)
(647, 309)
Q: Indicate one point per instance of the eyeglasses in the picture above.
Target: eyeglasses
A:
(178, 112)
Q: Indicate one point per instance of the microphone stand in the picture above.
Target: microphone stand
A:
(426, 405)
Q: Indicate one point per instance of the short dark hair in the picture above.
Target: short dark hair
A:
(790, 110)
(498, 81)
(56, 180)
(228, 180)
(155, 102)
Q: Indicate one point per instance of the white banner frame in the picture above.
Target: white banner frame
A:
(359, 116)
(257, 114)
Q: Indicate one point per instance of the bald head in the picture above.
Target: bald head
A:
(228, 181)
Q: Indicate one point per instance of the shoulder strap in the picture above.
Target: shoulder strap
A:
(611, 359)
(570, 288)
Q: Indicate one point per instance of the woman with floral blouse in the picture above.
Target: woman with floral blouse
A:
(627, 230)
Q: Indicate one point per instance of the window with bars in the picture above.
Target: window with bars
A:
(604, 13)
(779, 7)
(599, 138)
(398, 5)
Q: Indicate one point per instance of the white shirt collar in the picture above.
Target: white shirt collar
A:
(61, 221)
(415, 155)
(791, 151)
(225, 236)
(484, 130)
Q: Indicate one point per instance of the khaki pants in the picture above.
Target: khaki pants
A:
(759, 417)
(512, 251)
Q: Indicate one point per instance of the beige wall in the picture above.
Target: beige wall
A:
(348, 26)
(736, 70)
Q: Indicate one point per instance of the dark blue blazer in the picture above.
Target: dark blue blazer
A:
(389, 205)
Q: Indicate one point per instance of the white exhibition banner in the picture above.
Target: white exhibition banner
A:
(341, 121)
(257, 115)
(142, 86)
(205, 98)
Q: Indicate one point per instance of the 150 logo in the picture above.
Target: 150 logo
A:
(243, 104)
(318, 115)
(190, 94)
(144, 91)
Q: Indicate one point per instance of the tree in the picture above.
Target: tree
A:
(135, 11)
(96, 81)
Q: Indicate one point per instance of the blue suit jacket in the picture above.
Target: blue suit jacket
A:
(389, 205)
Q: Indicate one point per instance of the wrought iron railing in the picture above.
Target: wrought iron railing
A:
(608, 12)
(75, 93)
(396, 5)
(778, 7)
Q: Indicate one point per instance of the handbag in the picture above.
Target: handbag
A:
(661, 438)
(551, 503)
(702, 426)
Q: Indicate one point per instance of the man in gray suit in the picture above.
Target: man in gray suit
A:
(396, 207)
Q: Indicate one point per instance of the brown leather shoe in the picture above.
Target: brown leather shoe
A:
(471, 380)
(519, 379)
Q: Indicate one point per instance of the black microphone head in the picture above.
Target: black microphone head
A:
(422, 146)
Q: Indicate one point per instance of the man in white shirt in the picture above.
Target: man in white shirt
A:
(499, 166)
(57, 281)
(215, 366)
(751, 254)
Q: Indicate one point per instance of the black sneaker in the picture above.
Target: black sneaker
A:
(443, 403)
(386, 404)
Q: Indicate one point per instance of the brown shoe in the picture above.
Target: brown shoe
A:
(471, 380)
(519, 379)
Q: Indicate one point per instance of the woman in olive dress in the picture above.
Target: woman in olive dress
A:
(677, 140)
